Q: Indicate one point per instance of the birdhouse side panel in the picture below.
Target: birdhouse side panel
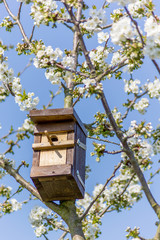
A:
(81, 153)
(79, 157)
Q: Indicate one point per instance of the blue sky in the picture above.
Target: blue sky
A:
(16, 226)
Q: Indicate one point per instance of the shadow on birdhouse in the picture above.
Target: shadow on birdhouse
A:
(58, 169)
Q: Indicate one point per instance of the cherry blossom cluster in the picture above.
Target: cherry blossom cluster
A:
(131, 86)
(122, 2)
(142, 105)
(154, 88)
(27, 126)
(152, 28)
(42, 11)
(113, 196)
(13, 85)
(10, 206)
(90, 87)
(117, 58)
(133, 233)
(98, 57)
(142, 148)
(46, 56)
(137, 8)
(122, 30)
(97, 19)
(102, 37)
(7, 23)
(36, 217)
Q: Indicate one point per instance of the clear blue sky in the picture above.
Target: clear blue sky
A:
(16, 226)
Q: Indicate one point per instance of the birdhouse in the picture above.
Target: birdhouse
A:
(58, 169)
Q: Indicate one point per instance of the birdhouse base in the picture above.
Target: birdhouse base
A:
(57, 182)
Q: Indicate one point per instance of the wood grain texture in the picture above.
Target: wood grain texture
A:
(57, 145)
(54, 127)
(55, 164)
(54, 115)
(51, 171)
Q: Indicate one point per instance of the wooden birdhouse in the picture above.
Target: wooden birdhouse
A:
(58, 169)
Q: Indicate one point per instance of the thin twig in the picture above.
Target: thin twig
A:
(53, 96)
(132, 103)
(136, 25)
(25, 68)
(63, 236)
(96, 198)
(103, 140)
(44, 235)
(153, 175)
(106, 209)
(70, 70)
(113, 152)
(77, 100)
(30, 39)
(19, 11)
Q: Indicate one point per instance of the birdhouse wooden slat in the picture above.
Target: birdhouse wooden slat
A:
(58, 168)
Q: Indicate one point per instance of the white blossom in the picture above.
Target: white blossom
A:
(131, 86)
(40, 230)
(15, 205)
(117, 58)
(122, 2)
(154, 88)
(53, 76)
(27, 126)
(97, 18)
(142, 105)
(41, 10)
(68, 61)
(152, 28)
(102, 37)
(122, 30)
(1, 51)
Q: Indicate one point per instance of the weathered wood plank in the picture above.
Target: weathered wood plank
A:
(51, 171)
(53, 127)
(56, 145)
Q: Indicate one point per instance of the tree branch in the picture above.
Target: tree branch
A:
(95, 199)
(132, 103)
(12, 172)
(140, 35)
(105, 210)
(131, 156)
(103, 140)
(17, 20)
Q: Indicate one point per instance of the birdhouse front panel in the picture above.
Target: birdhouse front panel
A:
(58, 169)
(53, 156)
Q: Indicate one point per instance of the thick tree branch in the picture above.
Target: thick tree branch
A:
(131, 156)
(12, 172)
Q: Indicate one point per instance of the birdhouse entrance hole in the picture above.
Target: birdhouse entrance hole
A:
(53, 157)
(54, 138)
(58, 168)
